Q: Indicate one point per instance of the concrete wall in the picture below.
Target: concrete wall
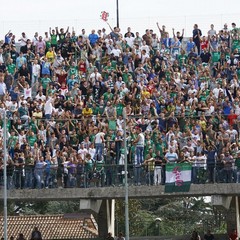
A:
(232, 189)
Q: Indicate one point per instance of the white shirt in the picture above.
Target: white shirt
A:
(83, 152)
(146, 48)
(94, 77)
(1, 58)
(144, 56)
(36, 69)
(92, 152)
(34, 41)
(130, 41)
(43, 97)
(21, 138)
(3, 88)
(48, 108)
(98, 137)
(216, 92)
(141, 140)
(116, 52)
(237, 109)
(23, 41)
(27, 92)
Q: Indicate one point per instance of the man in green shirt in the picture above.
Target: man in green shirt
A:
(235, 43)
(53, 38)
(108, 95)
(31, 138)
(99, 171)
(45, 81)
(182, 58)
(73, 70)
(11, 67)
(12, 140)
(107, 70)
(88, 169)
(215, 57)
(119, 107)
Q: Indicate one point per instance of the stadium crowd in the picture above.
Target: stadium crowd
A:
(64, 94)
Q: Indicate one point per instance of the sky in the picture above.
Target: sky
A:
(37, 16)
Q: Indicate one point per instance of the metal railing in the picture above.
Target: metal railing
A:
(108, 175)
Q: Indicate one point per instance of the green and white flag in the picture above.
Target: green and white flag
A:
(178, 177)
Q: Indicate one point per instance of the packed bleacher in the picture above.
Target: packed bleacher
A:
(64, 94)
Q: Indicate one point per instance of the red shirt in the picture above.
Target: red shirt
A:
(233, 236)
(62, 78)
(231, 117)
(204, 44)
(82, 67)
(150, 88)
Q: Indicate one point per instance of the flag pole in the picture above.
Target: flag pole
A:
(126, 177)
(5, 172)
(117, 8)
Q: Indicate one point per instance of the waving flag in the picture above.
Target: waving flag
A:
(104, 16)
(178, 177)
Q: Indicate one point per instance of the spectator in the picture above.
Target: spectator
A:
(36, 234)
(197, 33)
(73, 99)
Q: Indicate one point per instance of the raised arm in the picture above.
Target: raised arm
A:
(160, 30)
(173, 33)
(67, 30)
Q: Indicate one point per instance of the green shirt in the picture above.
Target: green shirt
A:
(125, 77)
(99, 165)
(54, 39)
(168, 76)
(73, 71)
(237, 163)
(11, 68)
(48, 45)
(32, 140)
(33, 127)
(45, 82)
(182, 59)
(119, 109)
(108, 70)
(215, 57)
(235, 44)
(89, 165)
(227, 56)
(95, 110)
(12, 141)
(107, 96)
(114, 64)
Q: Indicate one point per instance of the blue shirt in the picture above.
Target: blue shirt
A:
(93, 38)
(20, 61)
(190, 45)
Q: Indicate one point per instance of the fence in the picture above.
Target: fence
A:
(137, 24)
(110, 175)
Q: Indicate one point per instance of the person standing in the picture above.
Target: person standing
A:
(233, 235)
(120, 236)
(140, 142)
(197, 33)
(211, 159)
(99, 144)
(36, 234)
(109, 236)
(209, 236)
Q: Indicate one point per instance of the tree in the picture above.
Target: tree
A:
(179, 216)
